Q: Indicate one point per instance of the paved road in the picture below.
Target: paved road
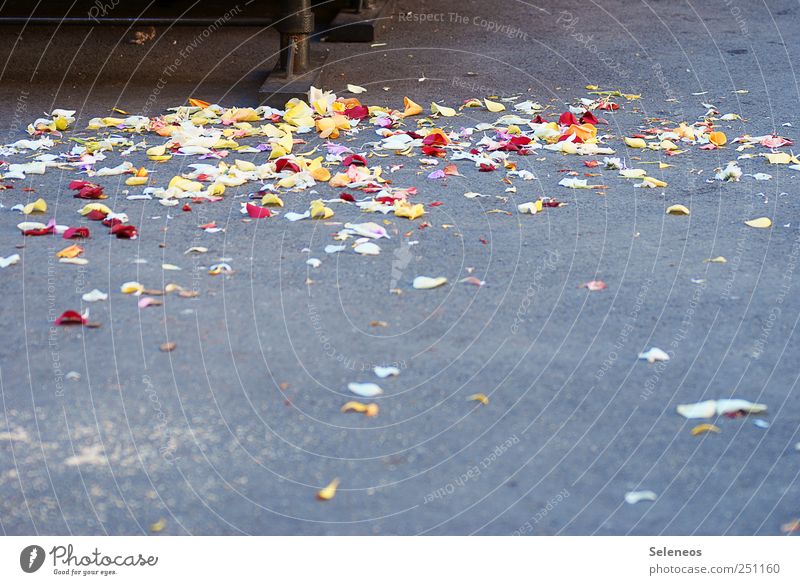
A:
(236, 429)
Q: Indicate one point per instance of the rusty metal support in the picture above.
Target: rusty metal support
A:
(299, 66)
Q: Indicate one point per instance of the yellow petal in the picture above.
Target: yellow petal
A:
(327, 128)
(132, 288)
(38, 206)
(779, 158)
(136, 181)
(339, 180)
(655, 182)
(240, 115)
(482, 398)
(215, 190)
(182, 184)
(157, 150)
(678, 210)
(717, 260)
(406, 209)
(89, 207)
(277, 151)
(633, 173)
(271, 199)
(442, 110)
(328, 491)
(355, 406)
(532, 207)
(288, 182)
(245, 165)
(321, 174)
(319, 211)
(635, 142)
(494, 106)
(761, 222)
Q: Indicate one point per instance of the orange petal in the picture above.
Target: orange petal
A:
(411, 108)
(704, 428)
(717, 138)
(70, 252)
(482, 398)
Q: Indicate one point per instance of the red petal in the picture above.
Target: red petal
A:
(96, 215)
(434, 139)
(257, 212)
(76, 232)
(354, 159)
(357, 112)
(432, 151)
(71, 318)
(91, 192)
(567, 119)
(285, 163)
(347, 197)
(125, 231)
(38, 232)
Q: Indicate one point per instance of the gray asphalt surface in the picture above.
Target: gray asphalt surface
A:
(236, 429)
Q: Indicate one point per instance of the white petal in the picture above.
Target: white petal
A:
(368, 249)
(426, 282)
(705, 409)
(94, 296)
(386, 371)
(654, 354)
(645, 495)
(365, 389)
(6, 262)
(728, 405)
(292, 216)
